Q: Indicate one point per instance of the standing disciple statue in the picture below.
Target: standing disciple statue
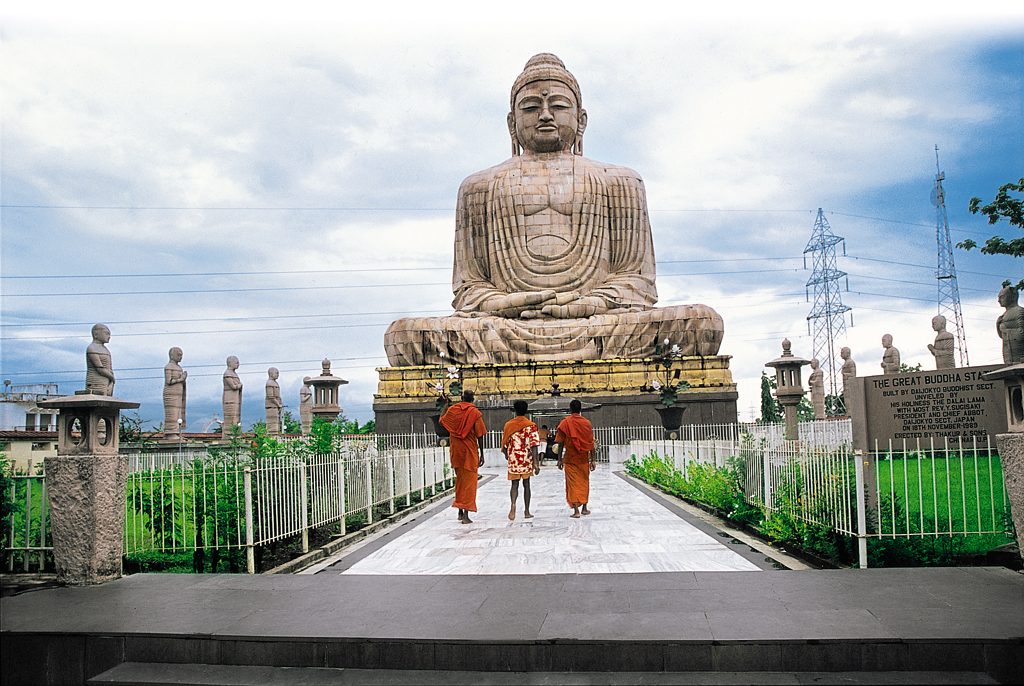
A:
(306, 406)
(174, 393)
(816, 381)
(553, 252)
(942, 349)
(272, 402)
(1010, 326)
(891, 356)
(849, 367)
(99, 369)
(232, 397)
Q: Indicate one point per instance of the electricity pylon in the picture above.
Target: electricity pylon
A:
(826, 323)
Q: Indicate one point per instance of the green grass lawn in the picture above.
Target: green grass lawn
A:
(943, 495)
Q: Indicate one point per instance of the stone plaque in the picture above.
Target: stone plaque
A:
(948, 403)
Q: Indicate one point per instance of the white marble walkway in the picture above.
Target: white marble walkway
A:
(627, 532)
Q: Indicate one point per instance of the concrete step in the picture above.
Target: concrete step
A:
(165, 674)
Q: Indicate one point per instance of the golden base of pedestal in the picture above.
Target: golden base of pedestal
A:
(531, 379)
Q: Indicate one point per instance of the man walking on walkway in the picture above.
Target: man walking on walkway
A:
(519, 442)
(465, 423)
(576, 456)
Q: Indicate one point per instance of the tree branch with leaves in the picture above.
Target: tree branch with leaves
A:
(1007, 207)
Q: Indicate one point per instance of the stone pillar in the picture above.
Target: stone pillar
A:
(789, 387)
(325, 393)
(1011, 444)
(85, 484)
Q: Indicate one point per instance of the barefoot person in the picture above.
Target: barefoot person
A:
(466, 425)
(519, 442)
(576, 456)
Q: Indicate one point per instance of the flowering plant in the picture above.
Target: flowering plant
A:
(453, 375)
(668, 390)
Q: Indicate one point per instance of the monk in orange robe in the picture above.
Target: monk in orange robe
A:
(576, 456)
(519, 442)
(465, 423)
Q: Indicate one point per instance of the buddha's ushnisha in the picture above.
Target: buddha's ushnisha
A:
(553, 252)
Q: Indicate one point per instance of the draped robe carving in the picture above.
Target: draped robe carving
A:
(608, 253)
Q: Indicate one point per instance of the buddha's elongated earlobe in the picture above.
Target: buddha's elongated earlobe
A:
(577, 144)
(516, 147)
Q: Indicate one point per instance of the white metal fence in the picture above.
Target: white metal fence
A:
(26, 538)
(243, 503)
(189, 500)
(933, 488)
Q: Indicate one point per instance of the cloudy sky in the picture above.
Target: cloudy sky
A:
(280, 187)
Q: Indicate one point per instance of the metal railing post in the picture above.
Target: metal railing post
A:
(304, 504)
(341, 491)
(766, 475)
(369, 489)
(250, 550)
(391, 481)
(408, 483)
(862, 523)
(423, 474)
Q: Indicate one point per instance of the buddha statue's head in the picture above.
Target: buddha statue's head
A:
(546, 108)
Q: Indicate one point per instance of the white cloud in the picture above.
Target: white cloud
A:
(781, 109)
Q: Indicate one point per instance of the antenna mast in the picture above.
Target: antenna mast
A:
(945, 274)
(827, 317)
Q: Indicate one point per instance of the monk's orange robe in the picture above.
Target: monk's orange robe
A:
(465, 423)
(576, 435)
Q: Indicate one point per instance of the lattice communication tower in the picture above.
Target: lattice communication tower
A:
(945, 274)
(826, 322)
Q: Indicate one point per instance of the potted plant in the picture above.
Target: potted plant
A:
(669, 409)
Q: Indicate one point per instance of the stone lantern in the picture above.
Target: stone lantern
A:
(789, 388)
(86, 487)
(325, 393)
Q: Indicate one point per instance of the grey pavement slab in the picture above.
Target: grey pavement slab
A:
(905, 604)
(143, 674)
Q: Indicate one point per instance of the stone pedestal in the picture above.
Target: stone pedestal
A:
(405, 395)
(1011, 456)
(85, 484)
(1011, 445)
(87, 499)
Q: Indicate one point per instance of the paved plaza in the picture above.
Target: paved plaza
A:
(629, 532)
(536, 600)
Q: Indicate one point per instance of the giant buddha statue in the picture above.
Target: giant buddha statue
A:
(553, 252)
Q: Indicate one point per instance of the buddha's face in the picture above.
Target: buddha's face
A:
(101, 334)
(175, 354)
(546, 117)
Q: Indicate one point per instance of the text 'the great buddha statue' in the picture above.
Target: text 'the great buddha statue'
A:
(554, 258)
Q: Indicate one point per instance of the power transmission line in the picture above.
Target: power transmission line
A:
(333, 271)
(315, 288)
